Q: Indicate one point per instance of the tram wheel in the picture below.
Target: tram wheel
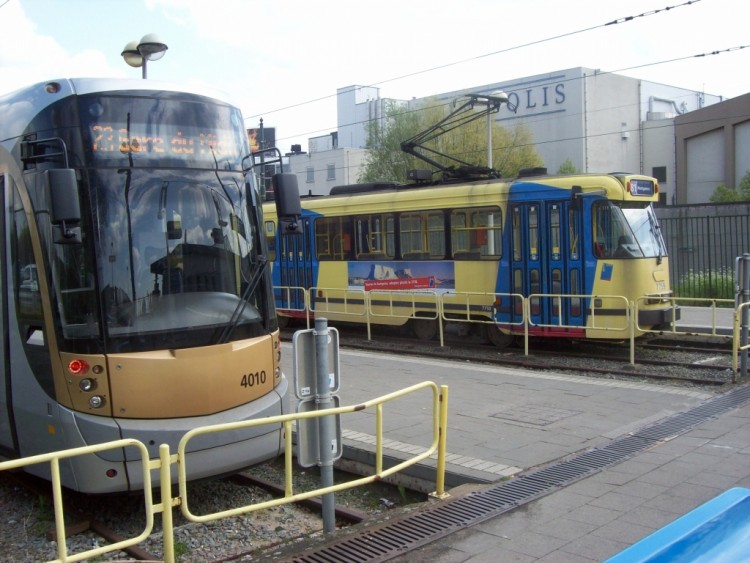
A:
(424, 329)
(283, 321)
(497, 337)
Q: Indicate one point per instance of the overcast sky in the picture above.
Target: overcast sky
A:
(284, 59)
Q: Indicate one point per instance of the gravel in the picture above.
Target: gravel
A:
(26, 517)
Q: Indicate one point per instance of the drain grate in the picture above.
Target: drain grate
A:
(388, 540)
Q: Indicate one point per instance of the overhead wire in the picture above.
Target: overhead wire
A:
(616, 21)
(599, 73)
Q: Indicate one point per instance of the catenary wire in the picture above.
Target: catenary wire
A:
(516, 47)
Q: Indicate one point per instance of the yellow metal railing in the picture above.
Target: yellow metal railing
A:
(439, 429)
(737, 346)
(715, 305)
(54, 459)
(448, 311)
(288, 294)
(166, 459)
(463, 306)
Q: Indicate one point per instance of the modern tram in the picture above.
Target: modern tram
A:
(137, 299)
(557, 255)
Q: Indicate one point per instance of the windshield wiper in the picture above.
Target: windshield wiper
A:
(657, 236)
(249, 290)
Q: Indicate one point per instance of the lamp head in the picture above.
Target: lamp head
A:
(131, 54)
(151, 47)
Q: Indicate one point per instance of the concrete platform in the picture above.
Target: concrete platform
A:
(506, 423)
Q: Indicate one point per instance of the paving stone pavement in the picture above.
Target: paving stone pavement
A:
(599, 516)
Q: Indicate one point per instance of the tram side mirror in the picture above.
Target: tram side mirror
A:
(61, 187)
(286, 196)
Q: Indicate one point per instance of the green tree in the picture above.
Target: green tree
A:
(512, 149)
(724, 194)
(567, 167)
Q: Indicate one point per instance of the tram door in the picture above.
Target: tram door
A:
(295, 265)
(546, 261)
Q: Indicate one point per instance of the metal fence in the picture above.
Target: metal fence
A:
(168, 504)
(703, 242)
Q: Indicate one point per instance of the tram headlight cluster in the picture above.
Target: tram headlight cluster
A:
(80, 367)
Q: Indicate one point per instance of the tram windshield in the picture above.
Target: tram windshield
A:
(177, 259)
(169, 254)
(623, 230)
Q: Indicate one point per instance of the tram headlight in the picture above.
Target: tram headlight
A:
(96, 402)
(87, 385)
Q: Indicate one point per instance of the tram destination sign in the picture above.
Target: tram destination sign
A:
(643, 188)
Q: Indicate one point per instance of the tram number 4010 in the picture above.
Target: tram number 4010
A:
(253, 379)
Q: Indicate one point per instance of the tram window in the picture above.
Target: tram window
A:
(70, 270)
(422, 235)
(270, 227)
(610, 227)
(333, 238)
(411, 235)
(518, 289)
(575, 289)
(436, 235)
(459, 232)
(26, 278)
(535, 287)
(27, 291)
(554, 232)
(516, 234)
(556, 281)
(533, 233)
(573, 234)
(476, 233)
(375, 237)
(323, 239)
(557, 289)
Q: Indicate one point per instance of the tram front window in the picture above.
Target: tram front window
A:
(176, 257)
(622, 231)
(646, 233)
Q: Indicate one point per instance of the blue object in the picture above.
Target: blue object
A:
(717, 531)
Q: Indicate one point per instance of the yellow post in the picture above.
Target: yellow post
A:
(378, 438)
(633, 312)
(288, 470)
(442, 443)
(526, 308)
(735, 343)
(165, 488)
(62, 548)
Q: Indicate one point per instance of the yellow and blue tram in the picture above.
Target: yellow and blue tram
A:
(561, 256)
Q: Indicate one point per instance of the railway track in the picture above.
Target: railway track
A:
(684, 360)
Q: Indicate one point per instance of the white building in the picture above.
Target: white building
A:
(326, 165)
(601, 122)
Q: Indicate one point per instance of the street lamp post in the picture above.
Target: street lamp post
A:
(493, 102)
(138, 53)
